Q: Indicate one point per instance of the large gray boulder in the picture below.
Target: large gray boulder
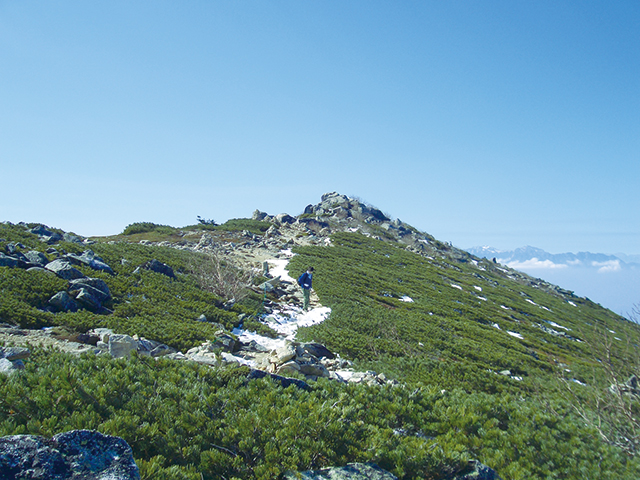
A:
(95, 286)
(64, 270)
(74, 455)
(14, 353)
(8, 261)
(90, 259)
(62, 302)
(121, 345)
(46, 235)
(37, 259)
(353, 471)
(283, 218)
(158, 267)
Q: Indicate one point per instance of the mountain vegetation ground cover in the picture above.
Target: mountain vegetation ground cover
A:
(429, 322)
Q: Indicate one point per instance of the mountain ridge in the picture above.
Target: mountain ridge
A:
(484, 359)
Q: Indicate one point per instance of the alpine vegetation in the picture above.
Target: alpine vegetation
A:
(283, 346)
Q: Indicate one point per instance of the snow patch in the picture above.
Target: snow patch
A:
(515, 334)
(554, 324)
(278, 268)
(406, 298)
(456, 286)
(477, 288)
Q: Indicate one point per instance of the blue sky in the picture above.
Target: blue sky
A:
(497, 122)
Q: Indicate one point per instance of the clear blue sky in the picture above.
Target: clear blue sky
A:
(504, 123)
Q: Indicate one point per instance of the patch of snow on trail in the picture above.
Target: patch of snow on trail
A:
(286, 322)
(278, 268)
(284, 319)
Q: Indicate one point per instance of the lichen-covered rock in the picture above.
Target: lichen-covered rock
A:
(95, 286)
(64, 270)
(62, 302)
(90, 259)
(121, 345)
(37, 259)
(74, 455)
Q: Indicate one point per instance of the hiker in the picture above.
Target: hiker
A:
(305, 282)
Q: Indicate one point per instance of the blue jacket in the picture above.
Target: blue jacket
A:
(305, 280)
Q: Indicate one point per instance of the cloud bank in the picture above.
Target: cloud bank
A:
(534, 263)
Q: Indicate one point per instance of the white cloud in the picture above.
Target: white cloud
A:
(534, 263)
(608, 266)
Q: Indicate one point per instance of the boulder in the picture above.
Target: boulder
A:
(7, 261)
(313, 369)
(353, 471)
(158, 267)
(121, 345)
(284, 381)
(14, 353)
(288, 368)
(90, 259)
(62, 302)
(37, 259)
(283, 218)
(12, 247)
(258, 215)
(317, 350)
(477, 471)
(68, 237)
(269, 285)
(63, 269)
(95, 286)
(284, 354)
(74, 455)
(224, 342)
(87, 300)
(7, 367)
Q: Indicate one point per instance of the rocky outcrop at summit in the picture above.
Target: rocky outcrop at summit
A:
(74, 455)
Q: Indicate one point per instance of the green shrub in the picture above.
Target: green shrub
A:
(146, 227)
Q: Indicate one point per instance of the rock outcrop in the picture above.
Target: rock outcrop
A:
(74, 455)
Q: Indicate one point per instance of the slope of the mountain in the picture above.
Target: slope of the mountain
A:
(488, 363)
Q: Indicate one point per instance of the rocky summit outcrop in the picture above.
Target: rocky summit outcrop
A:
(74, 455)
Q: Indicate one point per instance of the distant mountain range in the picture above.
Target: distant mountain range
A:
(612, 280)
(532, 257)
